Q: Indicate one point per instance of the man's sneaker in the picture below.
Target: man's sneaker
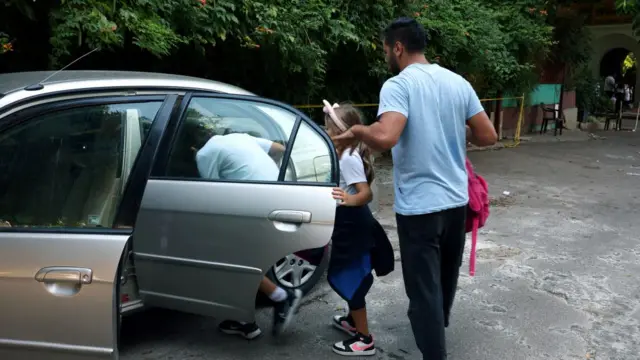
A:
(248, 331)
(284, 311)
(359, 345)
(344, 323)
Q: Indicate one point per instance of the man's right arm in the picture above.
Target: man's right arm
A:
(393, 112)
(480, 130)
(273, 148)
(276, 150)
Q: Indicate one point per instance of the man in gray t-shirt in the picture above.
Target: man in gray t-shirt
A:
(426, 115)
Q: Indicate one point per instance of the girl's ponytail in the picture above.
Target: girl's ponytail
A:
(367, 160)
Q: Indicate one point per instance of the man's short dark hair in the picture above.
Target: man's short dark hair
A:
(408, 32)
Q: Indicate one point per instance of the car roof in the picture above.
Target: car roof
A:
(14, 84)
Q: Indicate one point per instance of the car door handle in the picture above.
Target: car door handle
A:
(65, 274)
(290, 216)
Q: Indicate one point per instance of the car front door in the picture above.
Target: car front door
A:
(62, 176)
(202, 243)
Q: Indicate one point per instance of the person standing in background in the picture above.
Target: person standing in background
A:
(426, 115)
(627, 95)
(609, 86)
(619, 96)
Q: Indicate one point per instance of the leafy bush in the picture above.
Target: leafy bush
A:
(589, 95)
(299, 51)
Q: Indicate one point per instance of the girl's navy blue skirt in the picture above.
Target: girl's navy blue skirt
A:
(352, 243)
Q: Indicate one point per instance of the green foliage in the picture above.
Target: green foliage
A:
(629, 63)
(589, 95)
(497, 45)
(5, 43)
(630, 7)
(156, 26)
(572, 39)
(572, 44)
(303, 50)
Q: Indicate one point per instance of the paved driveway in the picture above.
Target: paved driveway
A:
(557, 275)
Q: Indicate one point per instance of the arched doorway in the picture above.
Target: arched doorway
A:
(611, 46)
(621, 63)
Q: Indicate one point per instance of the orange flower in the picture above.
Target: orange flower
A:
(7, 47)
(203, 2)
(416, 14)
(532, 10)
(425, 6)
(543, 12)
(114, 28)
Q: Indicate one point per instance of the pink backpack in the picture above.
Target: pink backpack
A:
(478, 210)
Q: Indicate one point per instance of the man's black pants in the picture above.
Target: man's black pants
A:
(431, 247)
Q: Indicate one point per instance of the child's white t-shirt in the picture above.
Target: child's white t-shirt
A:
(351, 171)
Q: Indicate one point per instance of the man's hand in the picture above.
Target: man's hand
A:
(345, 139)
(381, 135)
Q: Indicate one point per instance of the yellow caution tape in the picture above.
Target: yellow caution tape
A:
(514, 143)
(309, 106)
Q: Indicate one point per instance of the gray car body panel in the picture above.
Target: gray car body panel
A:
(58, 318)
(203, 247)
(192, 247)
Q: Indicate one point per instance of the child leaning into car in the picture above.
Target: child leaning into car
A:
(359, 243)
(241, 156)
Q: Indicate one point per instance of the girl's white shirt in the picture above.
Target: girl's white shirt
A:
(351, 171)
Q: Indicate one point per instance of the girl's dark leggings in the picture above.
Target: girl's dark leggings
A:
(358, 302)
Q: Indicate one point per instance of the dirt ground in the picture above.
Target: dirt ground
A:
(557, 272)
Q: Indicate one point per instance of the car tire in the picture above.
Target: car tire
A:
(311, 281)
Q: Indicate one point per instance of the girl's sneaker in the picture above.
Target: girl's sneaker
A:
(359, 345)
(344, 323)
(248, 331)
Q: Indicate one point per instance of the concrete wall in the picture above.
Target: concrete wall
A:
(543, 93)
(533, 113)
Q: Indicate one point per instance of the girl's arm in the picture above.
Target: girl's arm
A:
(352, 170)
(362, 197)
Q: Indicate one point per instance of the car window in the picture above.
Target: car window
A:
(66, 168)
(230, 139)
(241, 140)
(146, 112)
(310, 156)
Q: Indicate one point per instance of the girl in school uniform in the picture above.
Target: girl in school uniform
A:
(359, 243)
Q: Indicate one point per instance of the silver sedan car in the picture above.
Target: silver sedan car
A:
(103, 211)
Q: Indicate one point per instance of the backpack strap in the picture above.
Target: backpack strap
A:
(474, 240)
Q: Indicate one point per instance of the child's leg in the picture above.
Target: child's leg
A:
(357, 306)
(286, 303)
(362, 342)
(360, 321)
(251, 330)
